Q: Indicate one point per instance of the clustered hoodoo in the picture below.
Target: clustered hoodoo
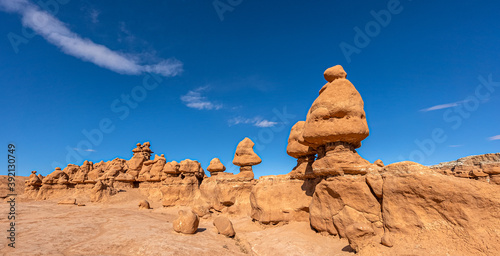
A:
(332, 186)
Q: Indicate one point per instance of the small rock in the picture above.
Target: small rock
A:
(359, 235)
(387, 241)
(144, 205)
(81, 204)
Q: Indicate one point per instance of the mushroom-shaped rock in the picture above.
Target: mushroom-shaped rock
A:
(215, 167)
(224, 226)
(171, 169)
(335, 126)
(187, 222)
(143, 204)
(244, 155)
(245, 158)
(305, 155)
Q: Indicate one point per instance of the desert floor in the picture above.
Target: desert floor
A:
(118, 227)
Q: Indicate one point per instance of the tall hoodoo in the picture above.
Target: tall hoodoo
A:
(305, 155)
(245, 158)
(336, 125)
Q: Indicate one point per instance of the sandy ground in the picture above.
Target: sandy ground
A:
(120, 228)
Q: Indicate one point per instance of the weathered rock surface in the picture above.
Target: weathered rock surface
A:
(276, 199)
(187, 222)
(227, 193)
(360, 235)
(422, 205)
(342, 201)
(224, 226)
(244, 155)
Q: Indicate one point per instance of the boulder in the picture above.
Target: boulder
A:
(187, 222)
(224, 226)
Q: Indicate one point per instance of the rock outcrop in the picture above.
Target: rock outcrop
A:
(482, 167)
(187, 222)
(280, 199)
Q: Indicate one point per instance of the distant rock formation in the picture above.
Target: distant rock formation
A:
(482, 167)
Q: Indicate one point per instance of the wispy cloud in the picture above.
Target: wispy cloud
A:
(194, 99)
(496, 137)
(256, 121)
(88, 150)
(443, 106)
(94, 15)
(58, 34)
(455, 146)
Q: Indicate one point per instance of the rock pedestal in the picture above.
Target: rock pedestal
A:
(245, 157)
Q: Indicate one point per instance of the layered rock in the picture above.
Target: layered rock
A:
(335, 126)
(245, 158)
(227, 193)
(305, 155)
(183, 189)
(342, 201)
(482, 167)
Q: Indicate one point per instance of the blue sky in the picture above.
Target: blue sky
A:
(196, 77)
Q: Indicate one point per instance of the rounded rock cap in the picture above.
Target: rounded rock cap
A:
(334, 72)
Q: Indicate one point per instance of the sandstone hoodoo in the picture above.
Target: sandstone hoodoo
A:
(335, 126)
(245, 158)
(215, 167)
(396, 209)
(305, 155)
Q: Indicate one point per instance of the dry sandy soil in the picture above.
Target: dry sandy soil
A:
(118, 227)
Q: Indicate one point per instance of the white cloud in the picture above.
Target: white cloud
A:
(455, 146)
(256, 121)
(265, 123)
(496, 137)
(194, 99)
(443, 106)
(58, 34)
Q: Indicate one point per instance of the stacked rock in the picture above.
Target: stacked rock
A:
(305, 155)
(336, 125)
(215, 167)
(245, 158)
